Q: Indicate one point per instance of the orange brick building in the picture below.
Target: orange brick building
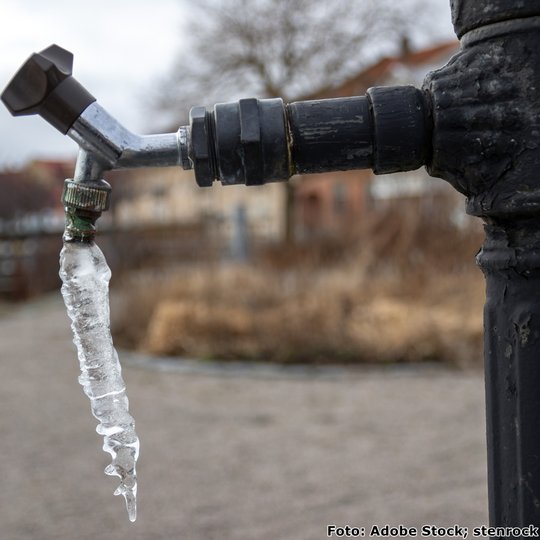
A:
(331, 203)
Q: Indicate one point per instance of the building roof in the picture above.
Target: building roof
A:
(384, 69)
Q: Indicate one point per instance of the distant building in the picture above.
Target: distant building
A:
(332, 203)
(171, 196)
(31, 196)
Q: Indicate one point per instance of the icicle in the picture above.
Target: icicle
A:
(85, 276)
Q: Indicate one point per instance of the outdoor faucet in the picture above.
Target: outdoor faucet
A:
(44, 85)
(475, 123)
(251, 141)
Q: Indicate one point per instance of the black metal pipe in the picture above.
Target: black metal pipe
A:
(510, 260)
(330, 134)
(254, 141)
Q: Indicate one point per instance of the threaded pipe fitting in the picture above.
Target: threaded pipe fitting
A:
(83, 203)
(91, 196)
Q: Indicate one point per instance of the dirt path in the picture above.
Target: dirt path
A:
(241, 457)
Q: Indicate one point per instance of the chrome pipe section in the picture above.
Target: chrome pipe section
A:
(85, 197)
(100, 134)
(87, 167)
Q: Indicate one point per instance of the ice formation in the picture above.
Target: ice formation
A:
(85, 276)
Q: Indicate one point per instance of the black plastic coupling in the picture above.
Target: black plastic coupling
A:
(243, 142)
(401, 128)
(44, 85)
(330, 134)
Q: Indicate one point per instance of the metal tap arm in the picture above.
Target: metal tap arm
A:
(44, 85)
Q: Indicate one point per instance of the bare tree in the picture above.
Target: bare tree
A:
(280, 48)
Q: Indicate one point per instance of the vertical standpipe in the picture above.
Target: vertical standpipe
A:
(486, 143)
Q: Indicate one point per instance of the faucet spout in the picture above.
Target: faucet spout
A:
(88, 167)
(44, 85)
(84, 198)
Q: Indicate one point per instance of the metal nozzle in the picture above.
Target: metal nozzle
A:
(84, 202)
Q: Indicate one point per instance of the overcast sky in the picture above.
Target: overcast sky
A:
(120, 48)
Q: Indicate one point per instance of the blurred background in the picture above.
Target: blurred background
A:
(367, 283)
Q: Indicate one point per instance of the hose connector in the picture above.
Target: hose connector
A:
(83, 203)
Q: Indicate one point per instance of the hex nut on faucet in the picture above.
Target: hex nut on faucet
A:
(200, 151)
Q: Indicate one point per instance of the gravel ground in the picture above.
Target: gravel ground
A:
(272, 455)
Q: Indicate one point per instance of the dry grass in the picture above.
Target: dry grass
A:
(400, 293)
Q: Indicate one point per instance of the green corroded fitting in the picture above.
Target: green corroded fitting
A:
(79, 228)
(83, 203)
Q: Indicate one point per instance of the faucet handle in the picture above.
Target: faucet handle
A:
(44, 85)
